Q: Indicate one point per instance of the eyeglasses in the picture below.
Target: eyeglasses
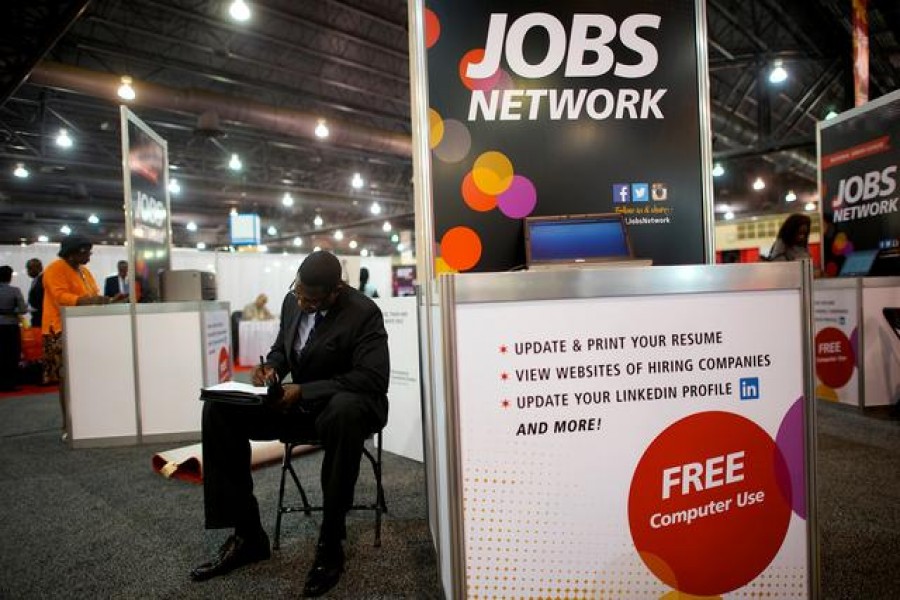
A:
(309, 301)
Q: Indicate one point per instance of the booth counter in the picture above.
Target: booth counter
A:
(857, 351)
(133, 373)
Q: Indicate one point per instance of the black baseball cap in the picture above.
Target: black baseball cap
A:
(73, 244)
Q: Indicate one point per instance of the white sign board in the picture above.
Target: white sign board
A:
(217, 363)
(633, 446)
(836, 314)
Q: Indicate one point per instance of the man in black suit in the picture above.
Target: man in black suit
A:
(333, 344)
(117, 284)
(36, 291)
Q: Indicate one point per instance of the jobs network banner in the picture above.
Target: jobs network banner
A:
(608, 451)
(858, 162)
(560, 108)
(146, 160)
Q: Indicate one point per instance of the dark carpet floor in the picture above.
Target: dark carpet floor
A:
(101, 524)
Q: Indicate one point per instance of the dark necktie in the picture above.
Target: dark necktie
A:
(316, 320)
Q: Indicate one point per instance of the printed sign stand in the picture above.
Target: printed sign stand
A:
(631, 432)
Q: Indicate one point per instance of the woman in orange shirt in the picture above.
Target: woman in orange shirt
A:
(67, 282)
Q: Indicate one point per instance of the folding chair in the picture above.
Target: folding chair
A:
(287, 468)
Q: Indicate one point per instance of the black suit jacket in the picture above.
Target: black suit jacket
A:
(348, 352)
(36, 300)
(111, 287)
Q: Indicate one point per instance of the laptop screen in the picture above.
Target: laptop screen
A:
(576, 238)
(858, 264)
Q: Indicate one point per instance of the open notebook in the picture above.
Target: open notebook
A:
(578, 240)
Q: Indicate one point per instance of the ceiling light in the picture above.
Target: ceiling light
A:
(63, 140)
(174, 186)
(353, 244)
(201, 246)
(93, 219)
(810, 206)
(400, 247)
(287, 199)
(338, 235)
(239, 10)
(233, 211)
(759, 184)
(298, 242)
(20, 171)
(364, 252)
(235, 163)
(322, 129)
(65, 230)
(395, 238)
(43, 238)
(125, 91)
(318, 222)
(831, 114)
(191, 226)
(386, 227)
(375, 209)
(272, 230)
(777, 74)
(357, 181)
(729, 216)
(718, 170)
(790, 196)
(317, 249)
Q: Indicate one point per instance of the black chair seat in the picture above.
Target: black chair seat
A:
(378, 505)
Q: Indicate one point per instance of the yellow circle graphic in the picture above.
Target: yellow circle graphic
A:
(435, 128)
(441, 266)
(492, 173)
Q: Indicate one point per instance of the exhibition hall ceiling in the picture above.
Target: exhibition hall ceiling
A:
(214, 87)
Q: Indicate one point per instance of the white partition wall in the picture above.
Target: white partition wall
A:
(403, 434)
(100, 387)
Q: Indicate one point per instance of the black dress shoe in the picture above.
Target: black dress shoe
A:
(326, 571)
(235, 552)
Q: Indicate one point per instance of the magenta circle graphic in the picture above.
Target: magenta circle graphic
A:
(790, 442)
(519, 199)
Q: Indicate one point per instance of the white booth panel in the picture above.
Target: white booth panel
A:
(99, 375)
(881, 351)
(170, 363)
(403, 434)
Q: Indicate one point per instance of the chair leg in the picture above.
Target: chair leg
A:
(285, 465)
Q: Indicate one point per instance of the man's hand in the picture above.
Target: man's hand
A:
(120, 297)
(263, 375)
(283, 403)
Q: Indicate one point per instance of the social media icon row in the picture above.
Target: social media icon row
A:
(623, 193)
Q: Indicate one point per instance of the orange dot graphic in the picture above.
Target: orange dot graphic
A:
(461, 248)
(475, 198)
(471, 57)
(432, 28)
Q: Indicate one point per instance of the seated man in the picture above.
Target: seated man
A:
(332, 342)
(257, 310)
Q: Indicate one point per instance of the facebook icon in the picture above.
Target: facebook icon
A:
(749, 388)
(621, 193)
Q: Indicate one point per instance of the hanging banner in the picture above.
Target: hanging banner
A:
(148, 219)
(859, 153)
(561, 108)
(860, 52)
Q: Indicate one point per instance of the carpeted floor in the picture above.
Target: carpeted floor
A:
(101, 524)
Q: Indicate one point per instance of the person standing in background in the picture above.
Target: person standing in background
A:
(67, 282)
(793, 239)
(35, 269)
(12, 304)
(117, 284)
(364, 286)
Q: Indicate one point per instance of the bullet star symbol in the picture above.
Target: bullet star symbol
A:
(504, 376)
(503, 349)
(505, 404)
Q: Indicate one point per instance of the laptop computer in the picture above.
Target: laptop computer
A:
(578, 240)
(858, 264)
